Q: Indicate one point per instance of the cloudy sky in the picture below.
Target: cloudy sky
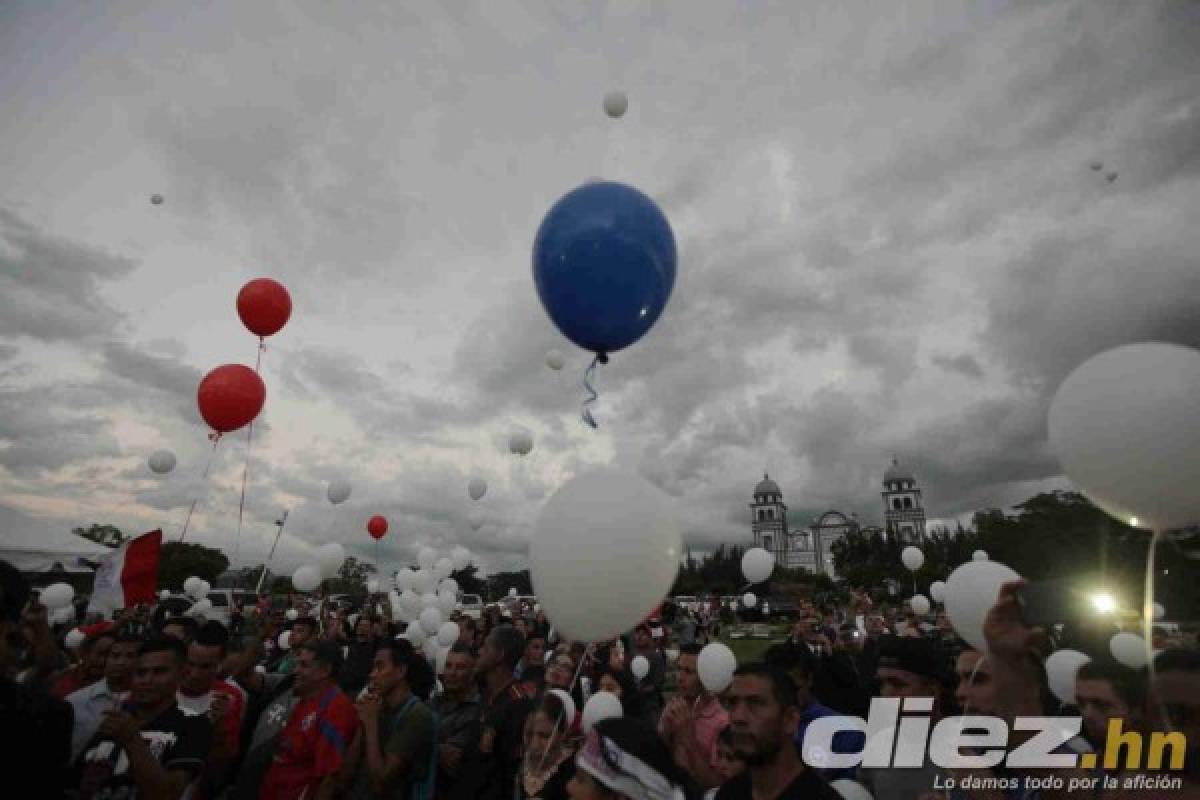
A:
(890, 242)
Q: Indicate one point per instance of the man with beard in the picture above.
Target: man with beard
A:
(457, 710)
(151, 747)
(91, 702)
(763, 717)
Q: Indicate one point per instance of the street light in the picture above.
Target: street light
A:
(1104, 602)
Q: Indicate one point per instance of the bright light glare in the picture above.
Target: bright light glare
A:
(1104, 602)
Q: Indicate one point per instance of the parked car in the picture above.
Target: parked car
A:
(472, 605)
(222, 602)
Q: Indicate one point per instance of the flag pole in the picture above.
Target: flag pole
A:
(280, 522)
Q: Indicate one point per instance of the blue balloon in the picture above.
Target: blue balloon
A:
(604, 265)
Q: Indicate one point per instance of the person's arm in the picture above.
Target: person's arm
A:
(1013, 662)
(691, 756)
(154, 782)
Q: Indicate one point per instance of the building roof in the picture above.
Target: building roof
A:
(896, 472)
(767, 486)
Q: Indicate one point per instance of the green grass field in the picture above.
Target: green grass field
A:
(748, 649)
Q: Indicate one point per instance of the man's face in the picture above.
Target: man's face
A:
(689, 679)
(456, 676)
(1098, 703)
(520, 625)
(976, 690)
(641, 638)
(300, 635)
(558, 676)
(759, 725)
(385, 674)
(310, 673)
(96, 656)
(156, 678)
(203, 662)
(118, 669)
(876, 625)
(902, 683)
(535, 652)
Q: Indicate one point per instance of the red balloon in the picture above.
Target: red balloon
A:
(377, 527)
(230, 397)
(264, 306)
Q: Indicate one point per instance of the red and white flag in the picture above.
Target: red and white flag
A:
(127, 575)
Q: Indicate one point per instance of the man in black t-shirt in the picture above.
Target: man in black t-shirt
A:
(763, 715)
(149, 748)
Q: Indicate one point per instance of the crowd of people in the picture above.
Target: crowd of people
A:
(150, 705)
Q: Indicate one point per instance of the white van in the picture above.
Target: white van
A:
(222, 603)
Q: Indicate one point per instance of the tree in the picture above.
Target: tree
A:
(352, 577)
(501, 582)
(107, 535)
(181, 560)
(469, 582)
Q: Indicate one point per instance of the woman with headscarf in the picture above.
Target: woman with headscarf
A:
(623, 759)
(549, 747)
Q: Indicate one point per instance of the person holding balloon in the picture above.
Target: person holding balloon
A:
(691, 722)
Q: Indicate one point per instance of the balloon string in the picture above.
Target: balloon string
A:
(237, 540)
(593, 396)
(215, 438)
(1148, 628)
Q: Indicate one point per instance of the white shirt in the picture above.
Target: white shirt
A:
(89, 705)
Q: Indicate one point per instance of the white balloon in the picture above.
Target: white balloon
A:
(161, 462)
(448, 586)
(715, 666)
(971, 591)
(672, 655)
(476, 488)
(422, 581)
(937, 591)
(426, 557)
(615, 104)
(192, 586)
(330, 558)
(520, 442)
(429, 600)
(749, 600)
(404, 579)
(62, 616)
(919, 604)
(476, 519)
(74, 638)
(1129, 649)
(1061, 668)
(285, 640)
(338, 492)
(448, 634)
(306, 578)
(205, 587)
(1123, 426)
(57, 595)
(461, 557)
(442, 568)
(610, 518)
(411, 600)
(601, 705)
(555, 360)
(164, 594)
(415, 633)
(512, 592)
(757, 565)
(1159, 611)
(292, 614)
(372, 586)
(640, 667)
(850, 790)
(446, 603)
(431, 620)
(912, 557)
(979, 555)
(568, 704)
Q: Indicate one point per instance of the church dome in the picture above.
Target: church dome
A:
(896, 473)
(767, 486)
